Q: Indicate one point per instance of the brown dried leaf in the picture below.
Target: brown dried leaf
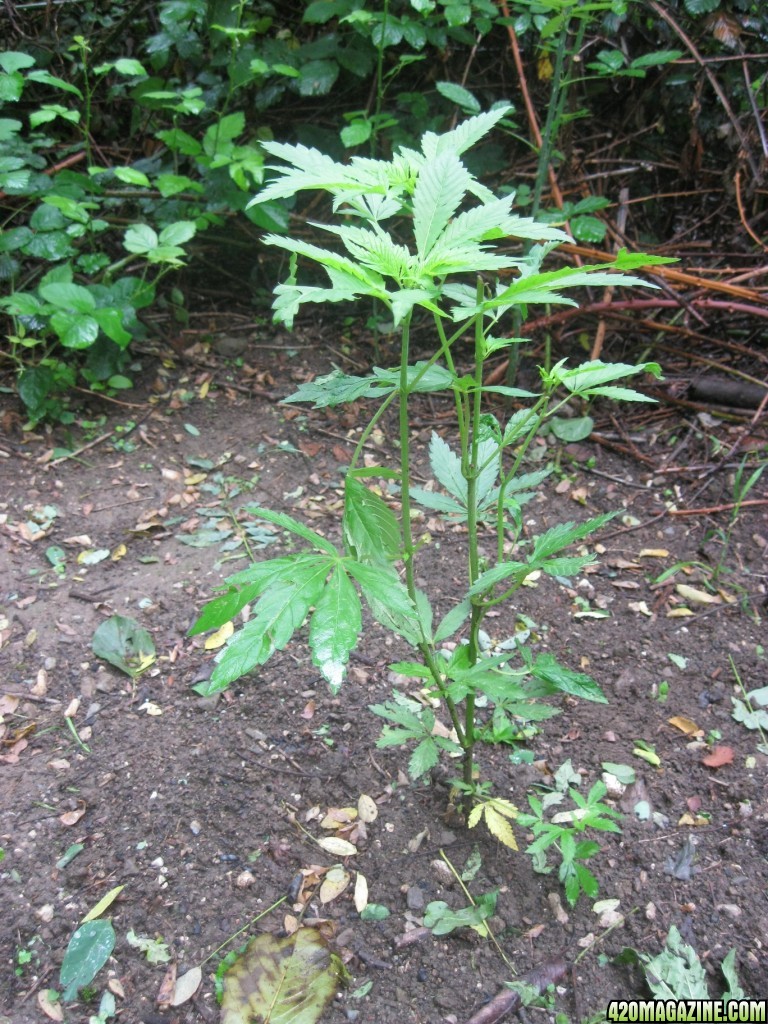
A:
(167, 987)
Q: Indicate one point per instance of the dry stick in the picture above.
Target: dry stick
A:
(742, 214)
(676, 276)
(711, 509)
(691, 46)
(510, 1001)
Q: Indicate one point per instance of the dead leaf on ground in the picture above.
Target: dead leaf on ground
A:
(685, 725)
(168, 987)
(293, 978)
(719, 757)
(72, 817)
(334, 884)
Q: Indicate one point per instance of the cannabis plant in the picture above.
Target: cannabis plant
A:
(421, 236)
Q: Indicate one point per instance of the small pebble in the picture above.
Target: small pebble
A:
(414, 898)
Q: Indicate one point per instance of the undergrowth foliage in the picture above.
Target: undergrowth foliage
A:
(452, 223)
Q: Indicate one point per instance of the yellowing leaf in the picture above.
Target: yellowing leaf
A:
(653, 553)
(290, 979)
(697, 596)
(338, 817)
(685, 725)
(195, 478)
(693, 819)
(679, 613)
(544, 68)
(474, 815)
(104, 902)
(367, 809)
(220, 637)
(120, 552)
(334, 884)
(500, 827)
(337, 847)
(203, 389)
(361, 892)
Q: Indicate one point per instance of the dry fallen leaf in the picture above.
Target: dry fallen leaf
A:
(334, 884)
(50, 1009)
(367, 809)
(361, 892)
(220, 637)
(72, 817)
(337, 847)
(168, 987)
(697, 596)
(686, 725)
(186, 986)
(720, 756)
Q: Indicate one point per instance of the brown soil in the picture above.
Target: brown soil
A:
(192, 805)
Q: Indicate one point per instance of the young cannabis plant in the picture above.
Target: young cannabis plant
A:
(444, 226)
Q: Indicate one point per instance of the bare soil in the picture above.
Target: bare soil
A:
(194, 805)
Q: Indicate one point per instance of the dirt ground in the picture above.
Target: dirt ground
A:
(194, 805)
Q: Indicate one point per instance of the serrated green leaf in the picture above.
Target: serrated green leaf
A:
(371, 530)
(243, 588)
(453, 620)
(424, 758)
(446, 466)
(441, 186)
(279, 612)
(561, 536)
(287, 522)
(335, 627)
(549, 670)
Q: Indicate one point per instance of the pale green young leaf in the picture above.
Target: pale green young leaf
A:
(375, 249)
(439, 502)
(309, 169)
(619, 394)
(560, 536)
(335, 627)
(595, 373)
(404, 300)
(371, 530)
(441, 186)
(566, 565)
(446, 466)
(464, 135)
(354, 275)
